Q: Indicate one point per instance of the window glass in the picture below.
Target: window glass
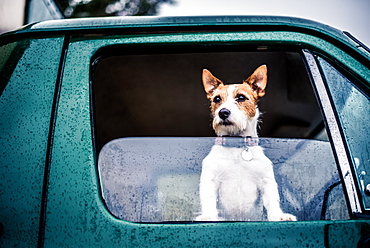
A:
(5, 52)
(157, 179)
(9, 56)
(353, 107)
(149, 105)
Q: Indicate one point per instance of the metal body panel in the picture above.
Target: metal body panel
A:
(73, 165)
(25, 112)
(75, 213)
(196, 23)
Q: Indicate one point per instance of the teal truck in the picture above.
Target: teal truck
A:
(105, 123)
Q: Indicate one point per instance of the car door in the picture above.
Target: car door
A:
(78, 207)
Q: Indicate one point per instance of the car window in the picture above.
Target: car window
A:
(6, 51)
(157, 179)
(10, 55)
(153, 129)
(352, 106)
(162, 94)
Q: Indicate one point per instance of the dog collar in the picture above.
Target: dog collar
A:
(236, 141)
(239, 142)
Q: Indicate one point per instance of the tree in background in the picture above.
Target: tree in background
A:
(93, 8)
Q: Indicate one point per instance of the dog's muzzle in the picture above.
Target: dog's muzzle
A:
(224, 113)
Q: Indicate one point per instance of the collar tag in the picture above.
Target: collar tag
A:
(247, 155)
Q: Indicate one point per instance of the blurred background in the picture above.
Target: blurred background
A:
(346, 15)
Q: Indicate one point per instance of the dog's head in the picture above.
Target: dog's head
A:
(234, 107)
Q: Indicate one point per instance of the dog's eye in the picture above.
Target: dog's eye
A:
(241, 98)
(217, 99)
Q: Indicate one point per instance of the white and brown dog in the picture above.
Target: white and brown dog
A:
(234, 176)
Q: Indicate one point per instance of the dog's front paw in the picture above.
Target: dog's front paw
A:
(283, 217)
(204, 217)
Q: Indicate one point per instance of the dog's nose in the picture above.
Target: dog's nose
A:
(224, 113)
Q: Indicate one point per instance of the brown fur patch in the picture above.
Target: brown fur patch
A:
(250, 104)
(221, 92)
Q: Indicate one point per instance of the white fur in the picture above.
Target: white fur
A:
(229, 182)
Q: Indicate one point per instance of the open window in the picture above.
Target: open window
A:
(152, 126)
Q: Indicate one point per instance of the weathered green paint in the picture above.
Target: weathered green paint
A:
(75, 213)
(123, 25)
(74, 201)
(25, 109)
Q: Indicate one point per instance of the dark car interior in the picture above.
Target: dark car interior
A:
(151, 92)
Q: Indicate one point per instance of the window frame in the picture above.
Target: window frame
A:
(310, 42)
(336, 135)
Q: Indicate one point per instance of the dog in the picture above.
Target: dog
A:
(235, 176)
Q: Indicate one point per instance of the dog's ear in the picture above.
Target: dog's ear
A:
(258, 80)
(210, 82)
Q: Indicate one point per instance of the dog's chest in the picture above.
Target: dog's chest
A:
(238, 181)
(245, 162)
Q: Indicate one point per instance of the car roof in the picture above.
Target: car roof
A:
(191, 23)
(175, 21)
(90, 24)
